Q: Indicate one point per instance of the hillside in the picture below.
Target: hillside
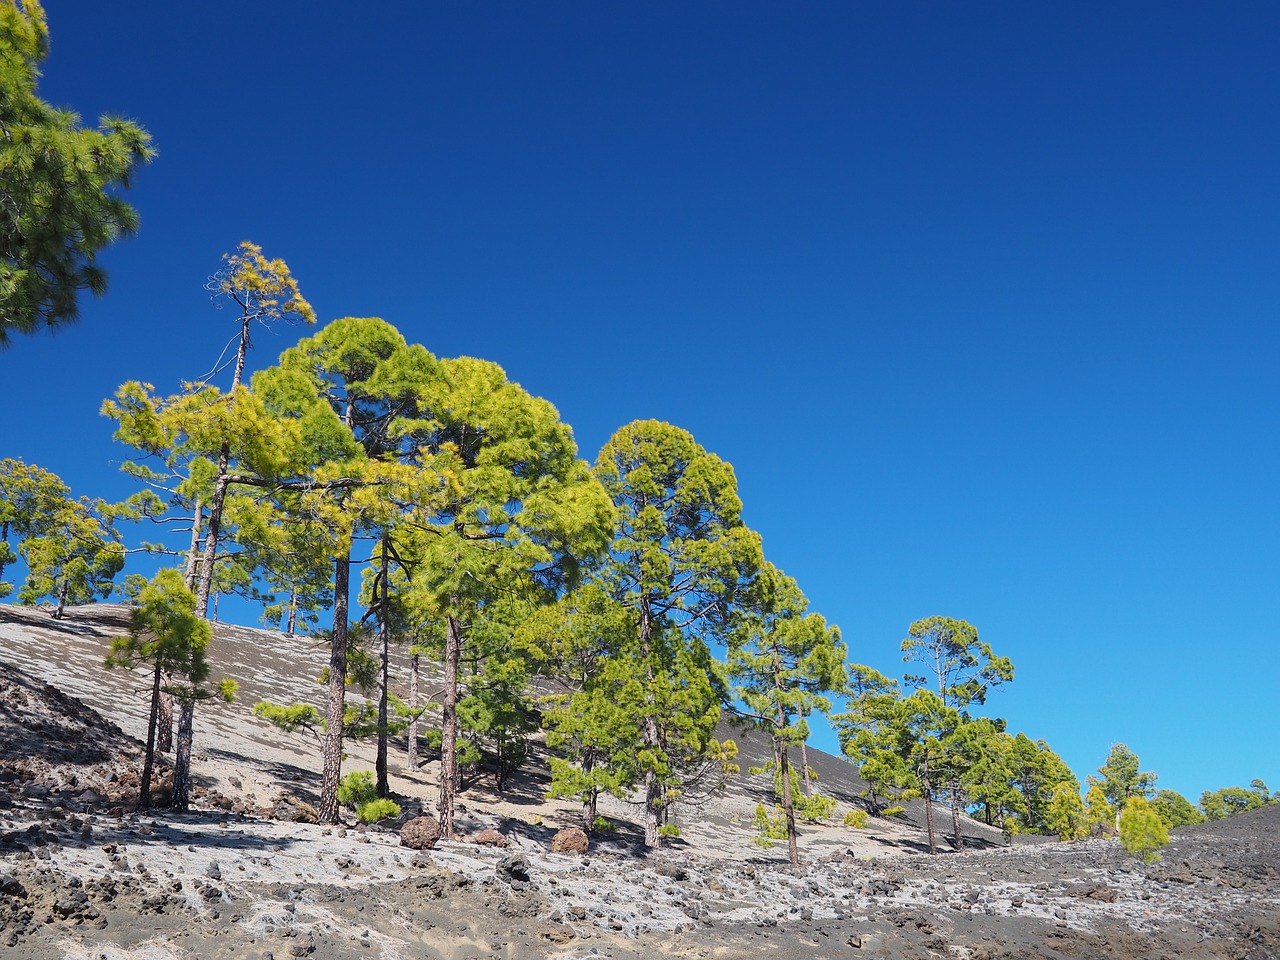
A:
(79, 871)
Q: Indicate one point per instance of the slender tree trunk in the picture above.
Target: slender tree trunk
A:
(412, 759)
(62, 599)
(149, 758)
(590, 801)
(955, 813)
(182, 756)
(805, 778)
(655, 794)
(291, 624)
(449, 726)
(928, 806)
(204, 582)
(788, 802)
(337, 706)
(384, 638)
(4, 538)
(193, 552)
(164, 732)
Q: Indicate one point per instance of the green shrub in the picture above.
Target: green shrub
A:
(1142, 832)
(357, 788)
(603, 826)
(669, 830)
(768, 827)
(893, 812)
(379, 808)
(856, 818)
(815, 808)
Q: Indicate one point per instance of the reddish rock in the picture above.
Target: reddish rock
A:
(289, 809)
(491, 838)
(420, 833)
(570, 840)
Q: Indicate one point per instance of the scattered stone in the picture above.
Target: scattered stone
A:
(491, 838)
(289, 809)
(420, 833)
(570, 840)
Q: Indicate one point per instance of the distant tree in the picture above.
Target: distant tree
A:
(964, 669)
(1037, 772)
(868, 733)
(73, 556)
(1120, 778)
(58, 181)
(29, 497)
(1175, 810)
(1099, 815)
(1141, 831)
(166, 634)
(784, 663)
(1228, 801)
(1065, 814)
(680, 562)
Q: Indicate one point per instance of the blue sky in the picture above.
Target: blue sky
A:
(979, 300)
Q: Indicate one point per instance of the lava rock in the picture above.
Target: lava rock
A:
(570, 840)
(420, 833)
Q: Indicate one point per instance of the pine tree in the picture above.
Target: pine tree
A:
(59, 183)
(680, 563)
(1141, 831)
(783, 663)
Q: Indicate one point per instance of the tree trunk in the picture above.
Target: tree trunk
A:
(182, 756)
(62, 599)
(591, 800)
(164, 733)
(384, 638)
(788, 803)
(805, 778)
(412, 759)
(149, 758)
(337, 706)
(449, 726)
(655, 799)
(928, 806)
(204, 582)
(193, 551)
(291, 624)
(955, 813)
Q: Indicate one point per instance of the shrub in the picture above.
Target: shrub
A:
(379, 808)
(888, 812)
(603, 826)
(356, 788)
(856, 818)
(669, 830)
(768, 828)
(815, 808)
(1142, 832)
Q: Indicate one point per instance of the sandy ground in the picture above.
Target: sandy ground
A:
(81, 876)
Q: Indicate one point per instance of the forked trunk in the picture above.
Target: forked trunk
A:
(337, 706)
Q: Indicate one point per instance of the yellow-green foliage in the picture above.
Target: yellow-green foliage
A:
(815, 808)
(1065, 814)
(895, 811)
(357, 788)
(1142, 832)
(856, 818)
(380, 808)
(769, 827)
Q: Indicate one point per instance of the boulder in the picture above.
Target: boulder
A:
(570, 840)
(289, 809)
(491, 838)
(420, 833)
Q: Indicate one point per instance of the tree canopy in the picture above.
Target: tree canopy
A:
(59, 183)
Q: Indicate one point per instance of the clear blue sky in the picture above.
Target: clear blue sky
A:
(979, 299)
